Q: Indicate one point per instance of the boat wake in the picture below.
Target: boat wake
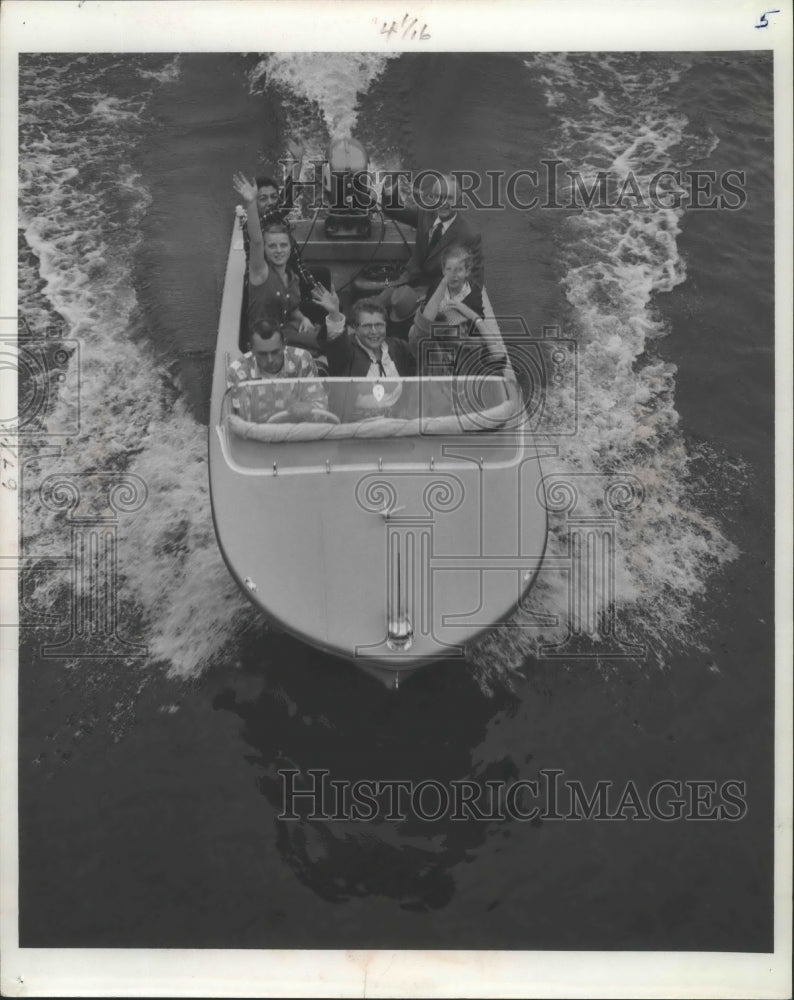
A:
(81, 204)
(615, 114)
(328, 82)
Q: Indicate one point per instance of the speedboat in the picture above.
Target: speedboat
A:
(394, 538)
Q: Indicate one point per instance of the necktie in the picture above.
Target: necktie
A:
(435, 235)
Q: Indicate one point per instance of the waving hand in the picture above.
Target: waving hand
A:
(245, 188)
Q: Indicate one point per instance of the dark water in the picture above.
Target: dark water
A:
(150, 786)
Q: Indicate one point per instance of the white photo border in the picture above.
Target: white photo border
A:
(352, 25)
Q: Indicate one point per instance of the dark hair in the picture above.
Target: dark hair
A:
(266, 182)
(264, 329)
(366, 305)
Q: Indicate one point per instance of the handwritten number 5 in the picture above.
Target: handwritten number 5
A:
(762, 21)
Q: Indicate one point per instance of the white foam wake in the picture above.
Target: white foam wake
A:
(331, 80)
(81, 205)
(616, 114)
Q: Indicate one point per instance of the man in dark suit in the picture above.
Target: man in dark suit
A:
(436, 228)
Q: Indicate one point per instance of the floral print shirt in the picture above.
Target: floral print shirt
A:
(257, 395)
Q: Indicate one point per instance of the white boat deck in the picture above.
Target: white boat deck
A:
(335, 540)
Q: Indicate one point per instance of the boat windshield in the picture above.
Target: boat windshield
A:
(293, 409)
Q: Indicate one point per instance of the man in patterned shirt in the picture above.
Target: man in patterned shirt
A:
(269, 360)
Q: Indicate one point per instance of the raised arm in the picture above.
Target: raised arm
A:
(392, 205)
(422, 326)
(433, 304)
(487, 328)
(333, 338)
(257, 267)
(329, 301)
(403, 213)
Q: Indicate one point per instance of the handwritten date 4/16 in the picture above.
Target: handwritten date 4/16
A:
(408, 29)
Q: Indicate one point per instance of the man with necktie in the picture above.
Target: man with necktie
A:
(436, 228)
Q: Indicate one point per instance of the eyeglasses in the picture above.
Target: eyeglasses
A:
(371, 327)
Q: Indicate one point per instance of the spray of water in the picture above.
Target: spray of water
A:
(615, 114)
(81, 207)
(331, 81)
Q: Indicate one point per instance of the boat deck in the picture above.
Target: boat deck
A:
(336, 539)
